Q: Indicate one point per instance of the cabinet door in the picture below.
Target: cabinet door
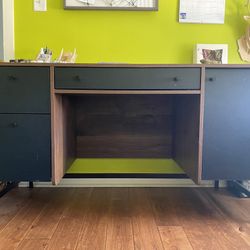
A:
(25, 147)
(226, 149)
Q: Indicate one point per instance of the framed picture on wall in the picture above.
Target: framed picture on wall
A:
(210, 54)
(112, 4)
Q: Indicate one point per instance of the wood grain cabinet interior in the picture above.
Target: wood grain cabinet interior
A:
(131, 126)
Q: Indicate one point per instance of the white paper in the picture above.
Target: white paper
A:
(110, 3)
(87, 1)
(202, 11)
(40, 5)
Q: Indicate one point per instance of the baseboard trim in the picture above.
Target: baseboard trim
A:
(124, 182)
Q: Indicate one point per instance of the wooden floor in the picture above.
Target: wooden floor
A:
(123, 218)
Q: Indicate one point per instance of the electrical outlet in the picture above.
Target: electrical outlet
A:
(40, 5)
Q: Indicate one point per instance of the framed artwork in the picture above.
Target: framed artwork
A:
(112, 4)
(211, 54)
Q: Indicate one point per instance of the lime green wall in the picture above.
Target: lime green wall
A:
(121, 36)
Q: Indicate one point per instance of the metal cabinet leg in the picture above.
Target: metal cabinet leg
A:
(216, 184)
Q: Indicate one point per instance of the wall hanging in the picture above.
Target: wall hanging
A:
(210, 54)
(244, 41)
(111, 4)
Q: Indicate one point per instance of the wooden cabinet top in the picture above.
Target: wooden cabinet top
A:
(110, 65)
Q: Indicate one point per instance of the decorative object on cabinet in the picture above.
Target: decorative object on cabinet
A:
(211, 54)
(67, 57)
(44, 56)
(112, 4)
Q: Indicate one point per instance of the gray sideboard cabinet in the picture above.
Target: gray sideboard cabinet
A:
(214, 148)
(226, 144)
(25, 147)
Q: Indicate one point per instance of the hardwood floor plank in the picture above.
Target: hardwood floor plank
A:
(10, 204)
(226, 236)
(119, 231)
(14, 232)
(146, 234)
(243, 229)
(236, 218)
(230, 206)
(220, 230)
(124, 218)
(44, 225)
(69, 228)
(94, 231)
(164, 206)
(192, 215)
(174, 238)
(33, 244)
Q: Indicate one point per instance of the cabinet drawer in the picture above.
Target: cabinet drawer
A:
(25, 147)
(127, 78)
(24, 90)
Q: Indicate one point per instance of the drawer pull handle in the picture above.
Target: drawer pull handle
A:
(175, 79)
(211, 79)
(14, 124)
(12, 78)
(77, 78)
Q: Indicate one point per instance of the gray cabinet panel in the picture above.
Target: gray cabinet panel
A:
(226, 149)
(25, 147)
(127, 78)
(24, 90)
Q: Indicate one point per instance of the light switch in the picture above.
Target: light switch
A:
(40, 5)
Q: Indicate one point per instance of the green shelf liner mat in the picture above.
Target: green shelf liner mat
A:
(110, 166)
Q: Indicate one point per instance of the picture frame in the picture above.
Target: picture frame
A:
(133, 5)
(210, 54)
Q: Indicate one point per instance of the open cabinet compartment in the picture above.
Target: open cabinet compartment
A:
(130, 127)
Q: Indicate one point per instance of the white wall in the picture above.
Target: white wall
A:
(1, 30)
(7, 47)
